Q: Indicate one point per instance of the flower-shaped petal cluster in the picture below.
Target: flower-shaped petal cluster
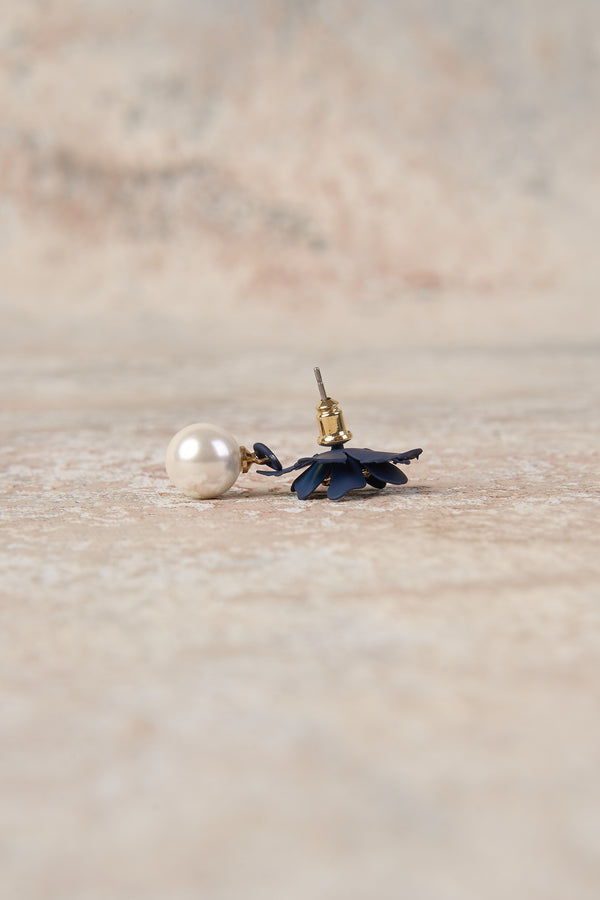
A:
(347, 468)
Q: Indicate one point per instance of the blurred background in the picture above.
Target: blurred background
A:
(392, 697)
(283, 170)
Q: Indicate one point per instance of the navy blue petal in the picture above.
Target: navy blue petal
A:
(344, 479)
(332, 456)
(387, 472)
(374, 482)
(299, 464)
(262, 451)
(405, 458)
(306, 483)
(366, 456)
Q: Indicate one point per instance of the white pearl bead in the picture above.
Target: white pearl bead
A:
(203, 460)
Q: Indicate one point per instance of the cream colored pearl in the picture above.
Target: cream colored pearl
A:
(203, 460)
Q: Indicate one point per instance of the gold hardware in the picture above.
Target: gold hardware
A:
(330, 418)
(248, 458)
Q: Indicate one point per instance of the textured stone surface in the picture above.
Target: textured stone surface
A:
(391, 696)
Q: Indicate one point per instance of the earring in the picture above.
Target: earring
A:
(342, 470)
(203, 460)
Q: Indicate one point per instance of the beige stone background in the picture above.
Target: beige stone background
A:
(395, 696)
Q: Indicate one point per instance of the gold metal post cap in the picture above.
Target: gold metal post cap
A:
(332, 428)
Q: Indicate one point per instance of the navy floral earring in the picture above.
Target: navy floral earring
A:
(343, 470)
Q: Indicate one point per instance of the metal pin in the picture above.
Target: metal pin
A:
(320, 384)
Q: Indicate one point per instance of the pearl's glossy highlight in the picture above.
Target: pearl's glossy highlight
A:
(203, 460)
